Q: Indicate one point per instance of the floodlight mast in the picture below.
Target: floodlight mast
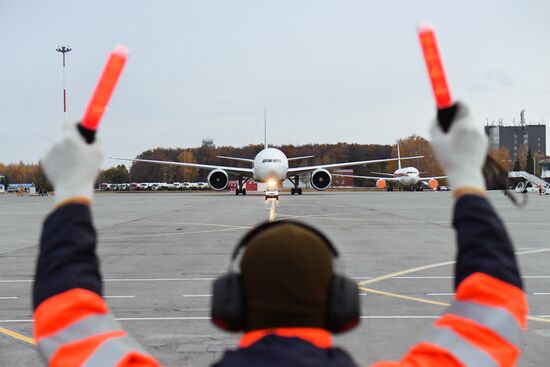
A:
(64, 50)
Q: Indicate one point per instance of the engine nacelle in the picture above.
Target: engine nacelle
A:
(381, 183)
(218, 179)
(321, 179)
(432, 184)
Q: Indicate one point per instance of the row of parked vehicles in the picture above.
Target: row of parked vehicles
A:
(154, 186)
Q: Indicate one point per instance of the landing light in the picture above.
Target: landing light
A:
(271, 183)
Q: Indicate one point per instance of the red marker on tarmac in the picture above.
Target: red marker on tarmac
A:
(102, 93)
(445, 106)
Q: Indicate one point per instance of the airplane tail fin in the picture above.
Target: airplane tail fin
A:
(265, 128)
(398, 156)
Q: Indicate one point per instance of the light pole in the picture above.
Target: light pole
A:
(64, 50)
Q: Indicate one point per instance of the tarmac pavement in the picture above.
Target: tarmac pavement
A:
(160, 252)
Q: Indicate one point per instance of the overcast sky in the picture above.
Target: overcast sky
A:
(327, 71)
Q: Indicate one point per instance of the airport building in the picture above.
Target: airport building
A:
(514, 137)
(545, 169)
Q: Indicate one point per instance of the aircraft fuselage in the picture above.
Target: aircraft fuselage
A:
(270, 165)
(408, 176)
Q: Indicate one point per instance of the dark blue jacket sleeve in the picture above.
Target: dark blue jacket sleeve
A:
(67, 256)
(483, 243)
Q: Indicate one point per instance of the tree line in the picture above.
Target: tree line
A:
(208, 153)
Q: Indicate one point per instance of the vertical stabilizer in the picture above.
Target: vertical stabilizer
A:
(398, 156)
(265, 128)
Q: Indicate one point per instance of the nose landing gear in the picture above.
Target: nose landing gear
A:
(295, 190)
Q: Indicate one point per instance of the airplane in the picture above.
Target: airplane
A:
(269, 166)
(404, 177)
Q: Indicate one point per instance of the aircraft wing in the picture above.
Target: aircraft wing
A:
(234, 170)
(299, 170)
(388, 179)
(430, 178)
(384, 174)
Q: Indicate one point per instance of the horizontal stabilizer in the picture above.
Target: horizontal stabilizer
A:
(237, 159)
(304, 157)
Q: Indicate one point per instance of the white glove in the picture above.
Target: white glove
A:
(461, 151)
(72, 166)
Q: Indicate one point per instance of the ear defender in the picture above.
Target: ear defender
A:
(227, 309)
(228, 298)
(343, 308)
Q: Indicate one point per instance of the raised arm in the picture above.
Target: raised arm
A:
(73, 325)
(484, 324)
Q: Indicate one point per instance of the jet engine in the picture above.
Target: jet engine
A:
(321, 179)
(218, 179)
(432, 184)
(381, 183)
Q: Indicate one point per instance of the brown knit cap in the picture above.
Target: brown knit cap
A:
(286, 272)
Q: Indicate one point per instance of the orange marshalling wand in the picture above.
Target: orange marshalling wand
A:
(104, 89)
(440, 88)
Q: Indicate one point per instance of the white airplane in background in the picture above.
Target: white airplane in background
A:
(404, 177)
(270, 166)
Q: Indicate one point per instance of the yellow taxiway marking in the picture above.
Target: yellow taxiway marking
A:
(539, 319)
(272, 211)
(429, 301)
(16, 335)
(403, 272)
(409, 298)
(426, 267)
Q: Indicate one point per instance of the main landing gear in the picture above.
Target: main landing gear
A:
(390, 187)
(240, 186)
(295, 190)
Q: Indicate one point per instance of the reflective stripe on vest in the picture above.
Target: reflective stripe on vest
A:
(109, 351)
(500, 321)
(112, 351)
(466, 353)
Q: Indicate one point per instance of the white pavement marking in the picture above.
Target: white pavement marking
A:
(157, 279)
(192, 318)
(196, 295)
(541, 294)
(206, 279)
(322, 215)
(400, 317)
(170, 234)
(14, 321)
(199, 224)
(440, 294)
(426, 277)
(533, 251)
(9, 297)
(122, 280)
(119, 296)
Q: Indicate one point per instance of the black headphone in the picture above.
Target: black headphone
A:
(227, 309)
